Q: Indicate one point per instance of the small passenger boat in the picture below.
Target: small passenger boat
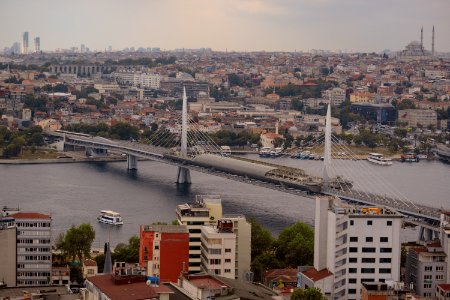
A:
(378, 159)
(110, 217)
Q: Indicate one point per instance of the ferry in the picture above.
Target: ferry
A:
(110, 217)
(265, 151)
(378, 159)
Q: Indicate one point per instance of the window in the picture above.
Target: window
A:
(368, 249)
(353, 249)
(438, 268)
(352, 291)
(368, 260)
(227, 260)
(353, 239)
(385, 271)
(384, 239)
(367, 280)
(227, 250)
(369, 223)
(352, 280)
(227, 271)
(429, 268)
(389, 223)
(352, 270)
(156, 247)
(353, 260)
(427, 285)
(367, 270)
(385, 260)
(385, 250)
(352, 222)
(440, 277)
(427, 277)
(369, 239)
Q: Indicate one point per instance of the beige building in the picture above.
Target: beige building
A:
(206, 210)
(336, 96)
(90, 268)
(218, 247)
(414, 117)
(243, 230)
(8, 257)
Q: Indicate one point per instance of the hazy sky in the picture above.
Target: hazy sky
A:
(353, 25)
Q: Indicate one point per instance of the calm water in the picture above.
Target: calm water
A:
(75, 193)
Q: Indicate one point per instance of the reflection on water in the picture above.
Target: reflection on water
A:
(75, 193)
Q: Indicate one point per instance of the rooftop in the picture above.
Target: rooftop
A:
(30, 215)
(165, 228)
(315, 275)
(130, 291)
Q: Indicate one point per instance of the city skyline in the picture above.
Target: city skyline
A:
(233, 25)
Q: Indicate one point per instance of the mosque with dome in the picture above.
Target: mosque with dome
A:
(416, 51)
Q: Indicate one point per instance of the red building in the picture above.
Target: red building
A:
(164, 251)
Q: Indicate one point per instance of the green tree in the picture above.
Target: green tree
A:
(124, 131)
(127, 253)
(77, 241)
(295, 245)
(307, 294)
(278, 142)
(262, 240)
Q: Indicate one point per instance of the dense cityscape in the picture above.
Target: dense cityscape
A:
(258, 118)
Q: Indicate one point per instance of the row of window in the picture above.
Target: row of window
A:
(369, 239)
(430, 277)
(34, 249)
(34, 224)
(370, 223)
(33, 266)
(438, 268)
(354, 280)
(369, 250)
(383, 260)
(33, 241)
(370, 270)
(37, 257)
(33, 233)
(33, 274)
(31, 282)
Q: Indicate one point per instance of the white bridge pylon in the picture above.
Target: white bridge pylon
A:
(184, 174)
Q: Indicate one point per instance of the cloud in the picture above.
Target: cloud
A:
(258, 6)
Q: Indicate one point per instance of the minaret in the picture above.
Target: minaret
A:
(421, 38)
(432, 43)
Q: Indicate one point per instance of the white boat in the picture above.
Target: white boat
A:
(110, 217)
(264, 151)
(277, 152)
(378, 159)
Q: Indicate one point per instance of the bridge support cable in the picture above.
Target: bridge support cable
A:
(369, 176)
(209, 142)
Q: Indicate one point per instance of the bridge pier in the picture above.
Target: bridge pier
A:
(427, 234)
(184, 175)
(131, 162)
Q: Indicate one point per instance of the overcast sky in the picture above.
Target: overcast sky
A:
(287, 25)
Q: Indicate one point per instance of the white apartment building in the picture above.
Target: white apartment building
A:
(206, 210)
(356, 244)
(138, 79)
(218, 249)
(34, 256)
(335, 95)
(243, 230)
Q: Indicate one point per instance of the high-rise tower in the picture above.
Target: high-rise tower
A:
(432, 43)
(25, 43)
(421, 38)
(37, 44)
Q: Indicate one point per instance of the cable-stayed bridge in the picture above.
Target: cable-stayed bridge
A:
(341, 174)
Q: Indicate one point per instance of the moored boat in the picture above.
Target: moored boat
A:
(378, 159)
(265, 151)
(409, 157)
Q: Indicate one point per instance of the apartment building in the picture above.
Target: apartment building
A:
(356, 245)
(138, 79)
(426, 267)
(218, 249)
(34, 256)
(8, 250)
(417, 117)
(243, 231)
(335, 95)
(366, 97)
(206, 210)
(164, 250)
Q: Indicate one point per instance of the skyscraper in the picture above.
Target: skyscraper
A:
(25, 42)
(37, 44)
(432, 43)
